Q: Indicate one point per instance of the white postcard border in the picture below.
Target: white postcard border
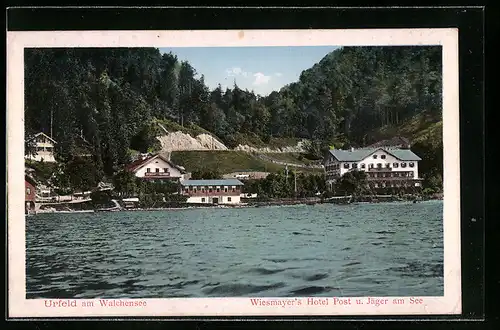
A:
(19, 306)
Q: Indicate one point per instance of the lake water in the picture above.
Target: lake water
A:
(385, 249)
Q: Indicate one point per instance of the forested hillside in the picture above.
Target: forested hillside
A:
(112, 97)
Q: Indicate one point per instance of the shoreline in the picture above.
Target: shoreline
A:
(342, 200)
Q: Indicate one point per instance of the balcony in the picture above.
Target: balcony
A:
(156, 174)
(380, 169)
(398, 178)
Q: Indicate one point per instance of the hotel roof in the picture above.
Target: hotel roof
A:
(360, 154)
(222, 182)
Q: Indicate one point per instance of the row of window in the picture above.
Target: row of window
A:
(379, 165)
(381, 156)
(390, 185)
(408, 174)
(391, 175)
(209, 189)
(44, 148)
(203, 199)
(157, 170)
(43, 140)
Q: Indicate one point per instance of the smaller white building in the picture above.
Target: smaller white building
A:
(225, 191)
(156, 167)
(44, 145)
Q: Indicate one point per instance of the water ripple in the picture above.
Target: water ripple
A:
(386, 249)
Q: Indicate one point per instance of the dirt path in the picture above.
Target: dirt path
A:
(272, 160)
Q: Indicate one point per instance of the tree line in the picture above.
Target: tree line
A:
(105, 101)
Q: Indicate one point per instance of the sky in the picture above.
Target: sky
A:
(261, 69)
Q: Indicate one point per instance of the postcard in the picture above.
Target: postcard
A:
(233, 173)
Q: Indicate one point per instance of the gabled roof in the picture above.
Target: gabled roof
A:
(403, 154)
(221, 182)
(352, 156)
(359, 154)
(134, 166)
(45, 135)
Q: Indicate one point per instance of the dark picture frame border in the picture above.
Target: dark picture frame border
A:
(469, 21)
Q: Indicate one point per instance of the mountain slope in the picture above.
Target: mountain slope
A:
(112, 98)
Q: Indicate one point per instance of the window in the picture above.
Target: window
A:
(410, 174)
(187, 189)
(28, 191)
(379, 165)
(203, 199)
(403, 164)
(412, 164)
(194, 189)
(225, 189)
(370, 166)
(395, 165)
(374, 156)
(165, 170)
(363, 165)
(202, 189)
(234, 189)
(383, 156)
(388, 165)
(218, 189)
(229, 199)
(346, 165)
(191, 188)
(148, 170)
(157, 170)
(354, 165)
(210, 189)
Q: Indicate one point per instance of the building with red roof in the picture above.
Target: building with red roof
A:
(156, 167)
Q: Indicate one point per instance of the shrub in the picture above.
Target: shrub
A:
(100, 198)
(428, 191)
